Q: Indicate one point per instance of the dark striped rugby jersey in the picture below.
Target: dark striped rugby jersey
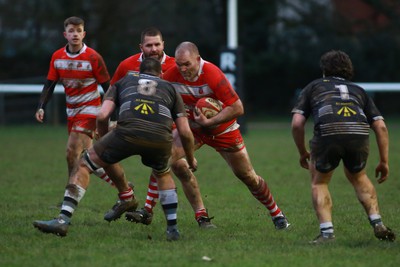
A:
(147, 105)
(337, 106)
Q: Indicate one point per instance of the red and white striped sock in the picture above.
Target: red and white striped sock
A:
(263, 194)
(200, 212)
(103, 176)
(126, 195)
(152, 194)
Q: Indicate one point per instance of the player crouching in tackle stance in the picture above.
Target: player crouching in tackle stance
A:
(343, 114)
(147, 106)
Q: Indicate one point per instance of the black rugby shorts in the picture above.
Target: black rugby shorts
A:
(114, 147)
(327, 152)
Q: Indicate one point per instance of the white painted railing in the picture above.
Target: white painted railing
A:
(37, 88)
(30, 88)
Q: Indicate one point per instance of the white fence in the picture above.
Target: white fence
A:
(21, 110)
(37, 88)
(26, 108)
(380, 87)
(30, 88)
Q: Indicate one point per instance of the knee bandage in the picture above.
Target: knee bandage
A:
(89, 163)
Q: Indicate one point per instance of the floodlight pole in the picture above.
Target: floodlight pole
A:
(231, 56)
(232, 24)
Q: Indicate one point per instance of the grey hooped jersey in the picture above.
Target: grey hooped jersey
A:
(147, 106)
(337, 106)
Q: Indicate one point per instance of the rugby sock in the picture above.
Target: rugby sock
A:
(375, 219)
(126, 195)
(73, 194)
(103, 176)
(263, 194)
(200, 212)
(169, 203)
(326, 228)
(152, 194)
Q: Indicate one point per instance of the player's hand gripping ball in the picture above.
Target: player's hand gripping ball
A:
(208, 106)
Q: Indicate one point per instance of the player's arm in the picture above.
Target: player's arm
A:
(47, 92)
(298, 133)
(103, 116)
(187, 140)
(227, 113)
(382, 140)
(107, 108)
(114, 116)
(105, 86)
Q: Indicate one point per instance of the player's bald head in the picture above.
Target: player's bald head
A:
(187, 47)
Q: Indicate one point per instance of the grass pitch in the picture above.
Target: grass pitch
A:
(34, 174)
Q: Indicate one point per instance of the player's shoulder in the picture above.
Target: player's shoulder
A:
(134, 57)
(335, 81)
(91, 51)
(169, 59)
(164, 83)
(91, 54)
(60, 51)
(131, 60)
(319, 82)
(168, 63)
(313, 85)
(209, 66)
(164, 86)
(211, 74)
(211, 71)
(171, 72)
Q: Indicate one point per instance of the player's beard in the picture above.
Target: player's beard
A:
(189, 76)
(155, 56)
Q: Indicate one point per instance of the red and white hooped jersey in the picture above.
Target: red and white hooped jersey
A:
(211, 82)
(132, 65)
(80, 75)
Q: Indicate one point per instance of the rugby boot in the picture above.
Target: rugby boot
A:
(280, 222)
(139, 216)
(323, 238)
(57, 226)
(384, 233)
(119, 208)
(173, 235)
(205, 222)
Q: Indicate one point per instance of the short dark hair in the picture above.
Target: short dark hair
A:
(337, 63)
(74, 21)
(150, 66)
(150, 31)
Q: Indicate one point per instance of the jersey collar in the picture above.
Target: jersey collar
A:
(202, 61)
(83, 49)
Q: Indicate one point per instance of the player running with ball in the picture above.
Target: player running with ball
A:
(196, 78)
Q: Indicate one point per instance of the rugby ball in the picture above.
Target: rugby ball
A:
(208, 106)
